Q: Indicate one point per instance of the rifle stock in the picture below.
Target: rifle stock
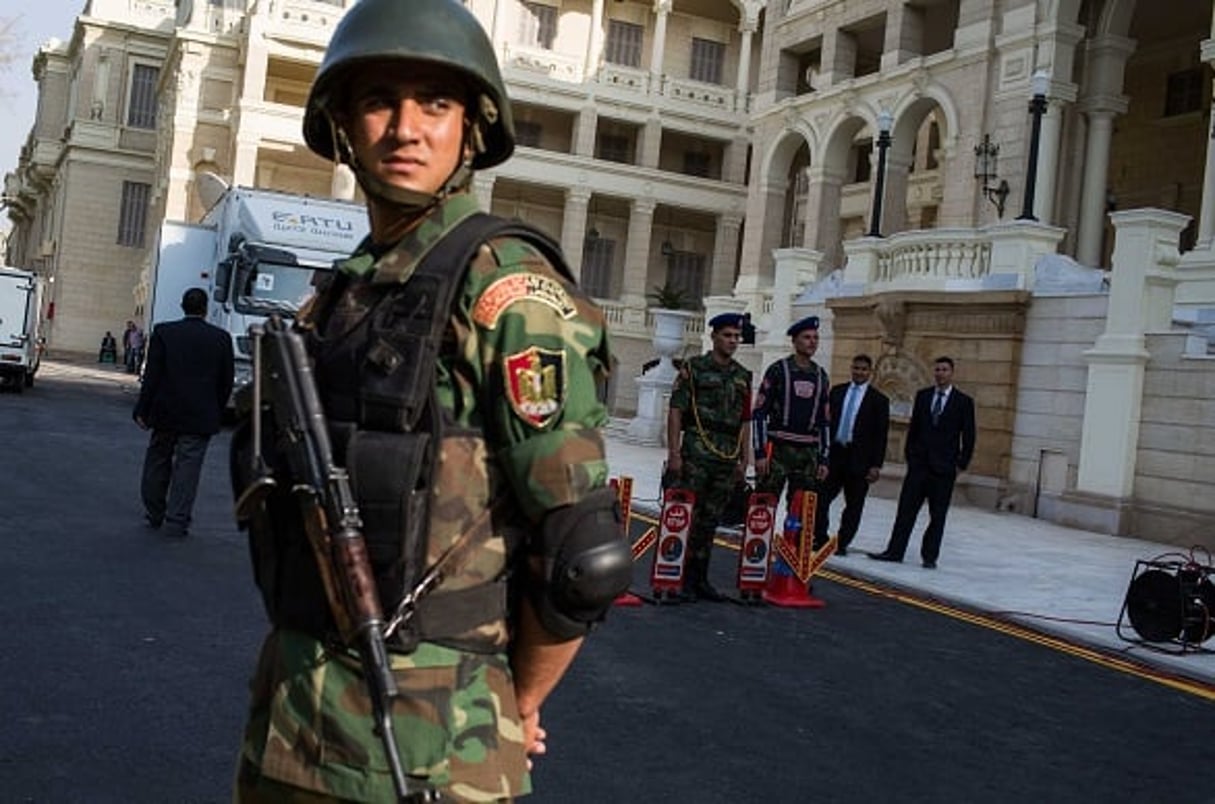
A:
(333, 527)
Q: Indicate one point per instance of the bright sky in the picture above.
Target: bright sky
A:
(35, 22)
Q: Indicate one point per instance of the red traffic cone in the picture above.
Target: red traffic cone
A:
(784, 589)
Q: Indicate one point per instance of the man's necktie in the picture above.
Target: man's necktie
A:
(849, 414)
(938, 405)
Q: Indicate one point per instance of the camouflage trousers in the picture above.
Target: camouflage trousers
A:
(796, 464)
(712, 482)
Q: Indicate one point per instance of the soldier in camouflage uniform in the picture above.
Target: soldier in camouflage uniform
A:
(708, 440)
(792, 420)
(506, 464)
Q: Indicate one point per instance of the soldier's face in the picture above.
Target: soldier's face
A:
(726, 340)
(406, 123)
(805, 343)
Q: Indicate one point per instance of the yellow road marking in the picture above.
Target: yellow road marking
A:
(1130, 667)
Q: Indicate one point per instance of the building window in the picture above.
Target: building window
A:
(133, 214)
(527, 133)
(864, 167)
(1183, 93)
(141, 111)
(686, 272)
(707, 58)
(614, 148)
(623, 44)
(539, 25)
(696, 164)
(597, 258)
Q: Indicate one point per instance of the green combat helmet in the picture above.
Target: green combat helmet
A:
(441, 32)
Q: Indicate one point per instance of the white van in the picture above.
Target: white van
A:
(21, 339)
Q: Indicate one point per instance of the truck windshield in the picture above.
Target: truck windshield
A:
(275, 288)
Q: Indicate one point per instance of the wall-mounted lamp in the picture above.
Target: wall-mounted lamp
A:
(1039, 85)
(667, 249)
(987, 166)
(885, 120)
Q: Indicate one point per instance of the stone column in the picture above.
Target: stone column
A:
(839, 57)
(1206, 220)
(573, 227)
(483, 188)
(1092, 193)
(725, 254)
(663, 9)
(894, 194)
(651, 143)
(1048, 161)
(734, 167)
(584, 131)
(244, 164)
(1103, 99)
(823, 214)
(1142, 284)
(637, 252)
(594, 44)
(904, 32)
(747, 28)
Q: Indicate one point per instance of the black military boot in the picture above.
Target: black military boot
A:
(702, 588)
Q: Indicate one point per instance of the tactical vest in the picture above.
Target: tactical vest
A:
(375, 350)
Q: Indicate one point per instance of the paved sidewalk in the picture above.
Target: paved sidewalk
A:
(1067, 582)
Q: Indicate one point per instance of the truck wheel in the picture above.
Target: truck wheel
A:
(29, 380)
(18, 384)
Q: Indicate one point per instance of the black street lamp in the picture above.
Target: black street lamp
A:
(885, 120)
(987, 170)
(1039, 84)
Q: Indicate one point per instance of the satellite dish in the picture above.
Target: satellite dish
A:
(210, 188)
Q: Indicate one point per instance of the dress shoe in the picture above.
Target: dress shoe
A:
(926, 564)
(175, 530)
(153, 522)
(884, 556)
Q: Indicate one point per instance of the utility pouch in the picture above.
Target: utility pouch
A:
(390, 472)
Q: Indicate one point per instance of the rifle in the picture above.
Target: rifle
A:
(331, 519)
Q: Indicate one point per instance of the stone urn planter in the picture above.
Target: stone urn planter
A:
(654, 387)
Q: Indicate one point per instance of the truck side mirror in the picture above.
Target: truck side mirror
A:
(223, 277)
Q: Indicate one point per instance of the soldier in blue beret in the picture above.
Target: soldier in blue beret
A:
(798, 327)
(726, 320)
(790, 423)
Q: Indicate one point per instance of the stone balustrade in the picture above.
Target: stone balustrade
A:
(702, 94)
(933, 254)
(638, 322)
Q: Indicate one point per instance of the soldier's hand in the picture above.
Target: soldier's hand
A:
(675, 464)
(873, 474)
(533, 736)
(761, 466)
(822, 472)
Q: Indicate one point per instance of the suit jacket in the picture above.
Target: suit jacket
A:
(869, 429)
(188, 377)
(947, 446)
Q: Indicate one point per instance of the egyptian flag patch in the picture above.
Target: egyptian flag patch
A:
(535, 384)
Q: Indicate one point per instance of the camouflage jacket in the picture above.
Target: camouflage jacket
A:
(520, 386)
(715, 401)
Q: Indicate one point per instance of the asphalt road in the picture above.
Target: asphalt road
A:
(127, 656)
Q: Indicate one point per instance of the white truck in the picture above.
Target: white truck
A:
(21, 338)
(255, 252)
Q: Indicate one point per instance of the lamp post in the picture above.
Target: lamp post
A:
(884, 121)
(1039, 85)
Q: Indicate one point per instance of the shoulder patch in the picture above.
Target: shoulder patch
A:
(510, 289)
(535, 384)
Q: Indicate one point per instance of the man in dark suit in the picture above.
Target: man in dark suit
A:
(940, 443)
(186, 385)
(860, 417)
